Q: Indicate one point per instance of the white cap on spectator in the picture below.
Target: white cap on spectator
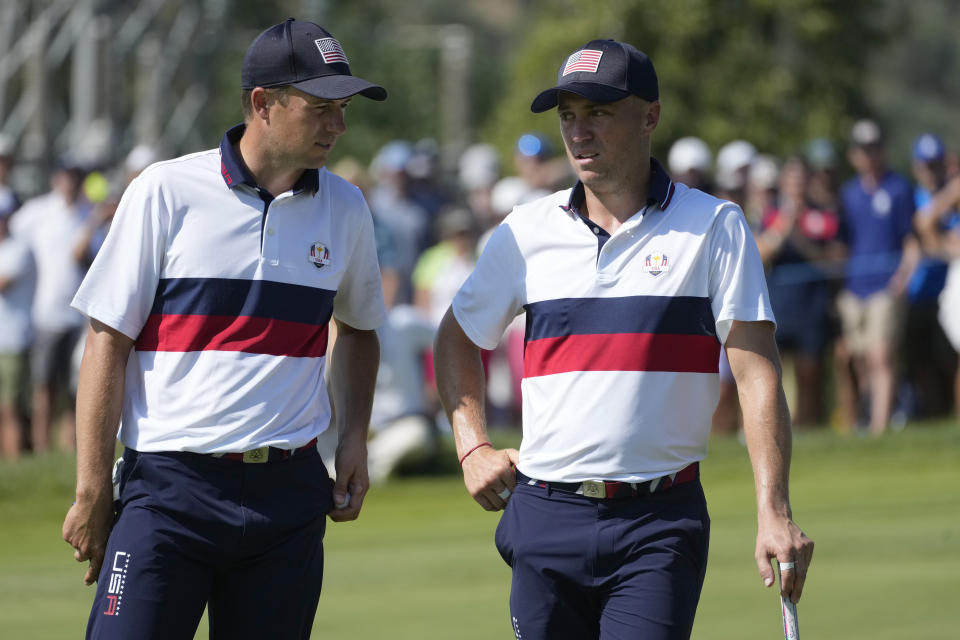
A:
(510, 191)
(140, 157)
(507, 193)
(732, 158)
(687, 154)
(865, 133)
(763, 172)
(479, 167)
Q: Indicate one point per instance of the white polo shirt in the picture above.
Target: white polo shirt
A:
(228, 297)
(623, 332)
(50, 226)
(16, 301)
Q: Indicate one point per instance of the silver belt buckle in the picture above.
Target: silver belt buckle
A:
(258, 455)
(594, 489)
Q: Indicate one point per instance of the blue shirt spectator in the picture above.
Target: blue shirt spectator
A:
(876, 222)
(930, 172)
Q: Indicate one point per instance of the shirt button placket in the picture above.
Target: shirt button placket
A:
(271, 240)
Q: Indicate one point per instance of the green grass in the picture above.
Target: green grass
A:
(420, 563)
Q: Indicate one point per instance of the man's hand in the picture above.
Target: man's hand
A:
(780, 539)
(352, 479)
(490, 475)
(99, 403)
(86, 528)
(353, 374)
(755, 363)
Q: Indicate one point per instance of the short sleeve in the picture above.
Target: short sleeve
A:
(359, 300)
(121, 284)
(738, 287)
(493, 295)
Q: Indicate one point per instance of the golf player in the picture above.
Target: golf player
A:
(631, 284)
(209, 307)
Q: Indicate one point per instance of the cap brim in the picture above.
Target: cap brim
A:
(548, 99)
(337, 87)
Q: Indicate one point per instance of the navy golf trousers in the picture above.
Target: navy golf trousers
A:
(611, 569)
(194, 531)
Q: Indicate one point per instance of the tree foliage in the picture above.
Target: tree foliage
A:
(775, 72)
(913, 84)
(400, 46)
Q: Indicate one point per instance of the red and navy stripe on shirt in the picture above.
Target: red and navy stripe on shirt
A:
(632, 333)
(250, 316)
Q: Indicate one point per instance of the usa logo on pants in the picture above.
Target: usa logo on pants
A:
(118, 580)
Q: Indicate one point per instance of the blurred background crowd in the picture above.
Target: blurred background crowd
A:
(857, 269)
(855, 217)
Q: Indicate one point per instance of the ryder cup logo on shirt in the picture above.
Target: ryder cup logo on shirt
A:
(656, 263)
(319, 255)
(584, 60)
(331, 50)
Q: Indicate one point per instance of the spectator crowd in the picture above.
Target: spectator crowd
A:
(863, 272)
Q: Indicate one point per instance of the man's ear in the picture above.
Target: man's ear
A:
(653, 117)
(260, 103)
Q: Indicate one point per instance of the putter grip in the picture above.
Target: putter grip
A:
(791, 628)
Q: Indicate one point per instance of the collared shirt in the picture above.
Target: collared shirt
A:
(235, 172)
(661, 190)
(227, 293)
(875, 224)
(622, 340)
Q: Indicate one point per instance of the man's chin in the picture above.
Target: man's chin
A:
(316, 161)
(591, 179)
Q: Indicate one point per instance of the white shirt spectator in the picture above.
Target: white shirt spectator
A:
(16, 300)
(404, 338)
(50, 226)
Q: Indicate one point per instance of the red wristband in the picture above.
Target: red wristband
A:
(482, 444)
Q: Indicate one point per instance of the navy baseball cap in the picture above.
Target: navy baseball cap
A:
(603, 71)
(303, 55)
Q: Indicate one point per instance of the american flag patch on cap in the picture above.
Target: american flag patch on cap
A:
(331, 50)
(583, 60)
